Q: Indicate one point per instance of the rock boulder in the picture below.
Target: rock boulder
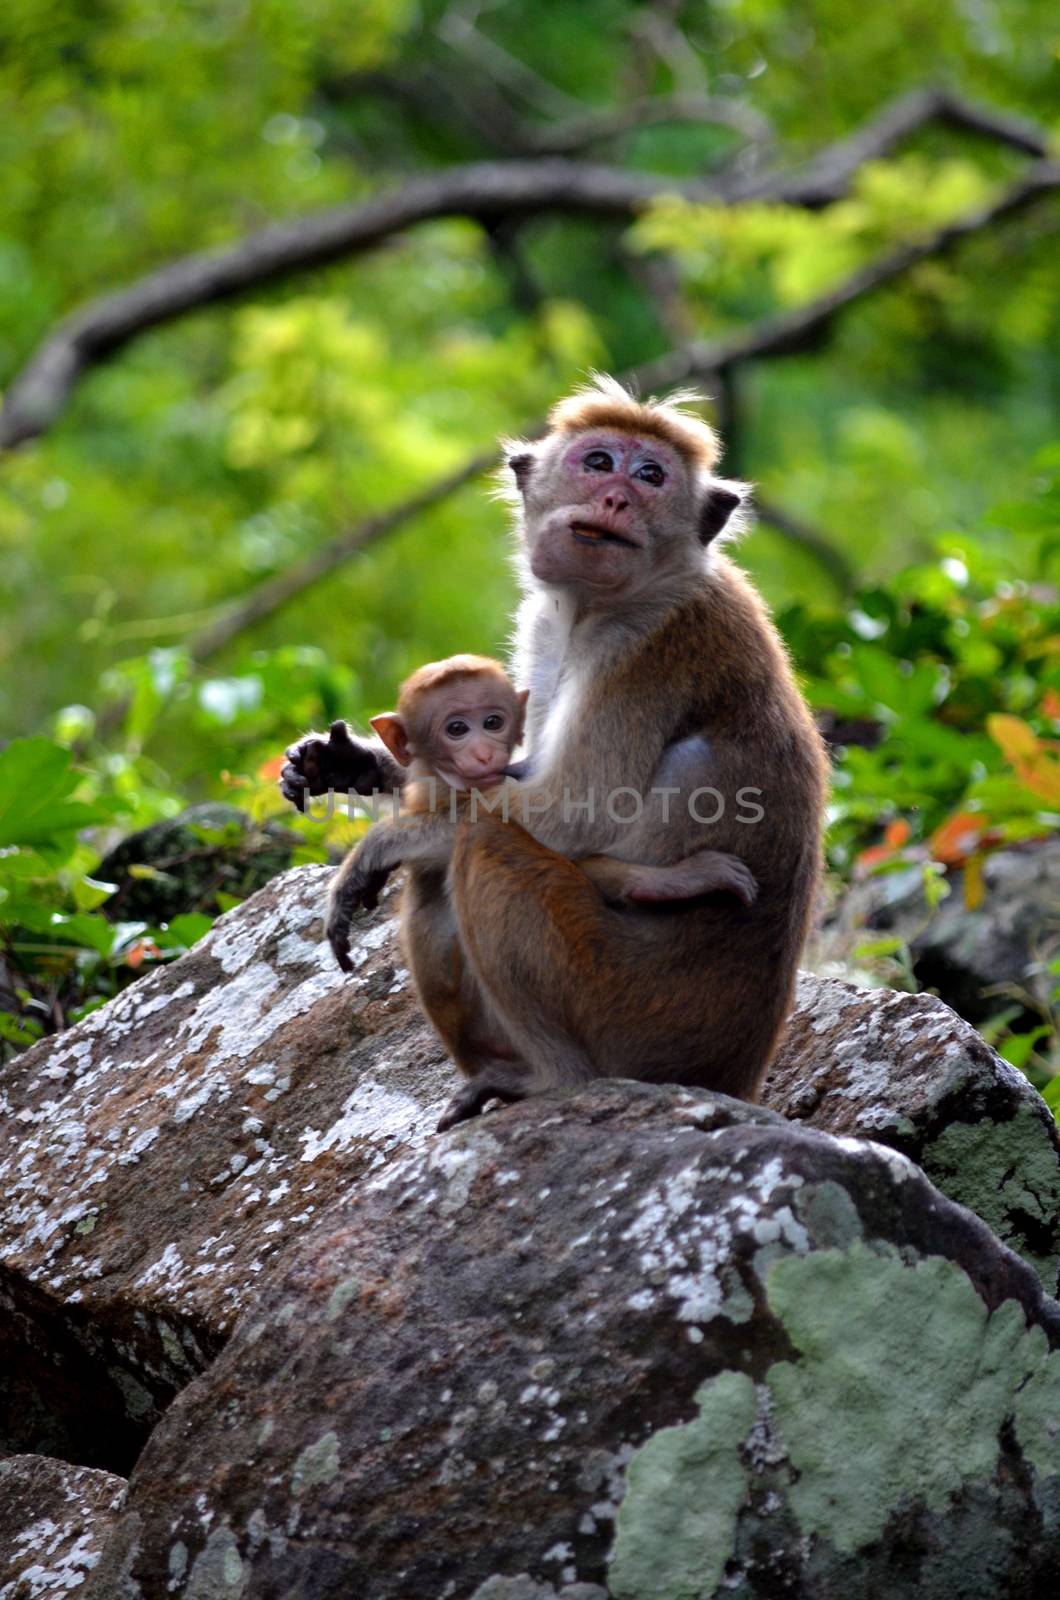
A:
(54, 1519)
(155, 1158)
(640, 1339)
(906, 1070)
(964, 952)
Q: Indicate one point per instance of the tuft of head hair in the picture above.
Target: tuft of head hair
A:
(603, 402)
(437, 673)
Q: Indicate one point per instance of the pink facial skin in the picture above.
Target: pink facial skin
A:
(608, 492)
(626, 449)
(471, 731)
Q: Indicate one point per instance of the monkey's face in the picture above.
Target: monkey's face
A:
(606, 510)
(467, 728)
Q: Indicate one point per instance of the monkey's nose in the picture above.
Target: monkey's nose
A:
(615, 500)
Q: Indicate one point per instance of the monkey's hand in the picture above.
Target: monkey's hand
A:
(334, 760)
(357, 887)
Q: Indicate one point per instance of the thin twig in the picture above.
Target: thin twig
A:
(276, 591)
(457, 29)
(800, 533)
(594, 127)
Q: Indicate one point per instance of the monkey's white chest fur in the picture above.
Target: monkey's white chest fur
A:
(562, 720)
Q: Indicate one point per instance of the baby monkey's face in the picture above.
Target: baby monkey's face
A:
(468, 729)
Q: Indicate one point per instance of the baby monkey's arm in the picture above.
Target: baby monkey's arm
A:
(428, 839)
(363, 875)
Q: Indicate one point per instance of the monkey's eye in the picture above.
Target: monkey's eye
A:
(493, 723)
(650, 472)
(457, 728)
(598, 461)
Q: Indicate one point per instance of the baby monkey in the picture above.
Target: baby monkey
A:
(456, 727)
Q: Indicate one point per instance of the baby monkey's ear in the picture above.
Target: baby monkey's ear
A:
(391, 729)
(718, 506)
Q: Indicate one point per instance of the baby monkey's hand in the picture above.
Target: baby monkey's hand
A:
(356, 888)
(705, 872)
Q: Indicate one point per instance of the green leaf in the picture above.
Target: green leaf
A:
(84, 929)
(869, 948)
(19, 1030)
(36, 780)
(89, 893)
(186, 930)
(17, 862)
(1018, 1047)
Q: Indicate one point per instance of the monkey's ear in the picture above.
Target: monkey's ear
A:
(391, 729)
(718, 506)
(521, 466)
(521, 696)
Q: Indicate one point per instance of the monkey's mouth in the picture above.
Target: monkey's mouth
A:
(597, 533)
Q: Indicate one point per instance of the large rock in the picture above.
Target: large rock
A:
(640, 1338)
(155, 1158)
(182, 864)
(54, 1519)
(906, 1070)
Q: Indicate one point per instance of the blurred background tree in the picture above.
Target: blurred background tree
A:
(242, 514)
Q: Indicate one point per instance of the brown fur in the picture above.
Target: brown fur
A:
(653, 663)
(438, 673)
(605, 404)
(699, 995)
(447, 994)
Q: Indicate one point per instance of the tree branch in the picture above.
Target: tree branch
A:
(786, 334)
(488, 191)
(828, 176)
(798, 532)
(794, 332)
(276, 591)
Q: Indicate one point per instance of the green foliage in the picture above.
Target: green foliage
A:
(946, 663)
(47, 894)
(740, 260)
(946, 680)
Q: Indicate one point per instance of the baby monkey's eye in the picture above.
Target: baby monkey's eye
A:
(598, 461)
(650, 472)
(457, 728)
(494, 722)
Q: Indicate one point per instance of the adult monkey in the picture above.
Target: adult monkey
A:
(655, 676)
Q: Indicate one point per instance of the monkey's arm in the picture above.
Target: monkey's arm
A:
(335, 760)
(360, 880)
(567, 808)
(704, 872)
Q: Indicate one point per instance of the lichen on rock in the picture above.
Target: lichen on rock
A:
(638, 1341)
(906, 1071)
(54, 1520)
(639, 1337)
